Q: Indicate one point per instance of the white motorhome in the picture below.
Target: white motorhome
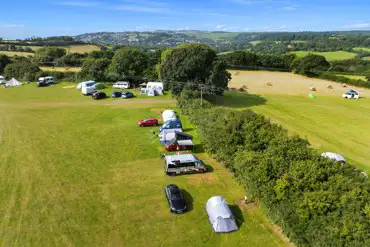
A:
(88, 88)
(47, 80)
(121, 85)
(2, 80)
(83, 84)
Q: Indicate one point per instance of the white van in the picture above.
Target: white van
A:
(88, 88)
(2, 80)
(48, 80)
(121, 85)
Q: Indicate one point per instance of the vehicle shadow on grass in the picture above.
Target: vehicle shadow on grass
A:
(188, 199)
(238, 214)
(237, 100)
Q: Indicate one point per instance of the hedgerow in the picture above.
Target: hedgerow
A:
(316, 201)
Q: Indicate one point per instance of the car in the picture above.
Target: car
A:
(176, 147)
(99, 95)
(43, 84)
(116, 95)
(121, 85)
(127, 95)
(175, 199)
(351, 94)
(148, 122)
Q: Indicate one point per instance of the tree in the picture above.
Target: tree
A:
(94, 69)
(195, 64)
(22, 70)
(48, 55)
(101, 54)
(129, 62)
(310, 64)
(4, 61)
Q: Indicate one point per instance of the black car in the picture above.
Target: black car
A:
(116, 95)
(175, 199)
(99, 95)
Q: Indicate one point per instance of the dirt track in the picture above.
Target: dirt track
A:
(286, 84)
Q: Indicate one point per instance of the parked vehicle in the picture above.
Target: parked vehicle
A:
(42, 84)
(47, 80)
(116, 95)
(84, 84)
(2, 80)
(175, 199)
(121, 85)
(168, 115)
(176, 145)
(88, 90)
(351, 94)
(171, 124)
(183, 164)
(148, 122)
(127, 95)
(99, 95)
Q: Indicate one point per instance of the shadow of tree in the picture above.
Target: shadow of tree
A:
(237, 100)
(238, 214)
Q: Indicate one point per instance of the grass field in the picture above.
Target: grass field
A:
(81, 173)
(61, 69)
(256, 42)
(20, 54)
(329, 122)
(355, 77)
(330, 56)
(82, 48)
(361, 48)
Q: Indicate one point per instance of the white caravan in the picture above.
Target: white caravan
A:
(168, 115)
(88, 88)
(2, 80)
(83, 84)
(121, 85)
(156, 86)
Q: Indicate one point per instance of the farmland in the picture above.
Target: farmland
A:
(330, 56)
(98, 181)
(61, 69)
(362, 48)
(329, 122)
(355, 77)
(82, 48)
(20, 54)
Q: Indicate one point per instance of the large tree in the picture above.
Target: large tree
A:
(129, 62)
(194, 64)
(4, 61)
(22, 70)
(48, 55)
(310, 64)
(94, 69)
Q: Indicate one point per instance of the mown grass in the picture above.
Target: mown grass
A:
(330, 56)
(82, 48)
(331, 124)
(355, 77)
(61, 69)
(256, 42)
(88, 176)
(362, 48)
(15, 53)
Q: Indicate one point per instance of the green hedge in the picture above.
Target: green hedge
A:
(343, 79)
(60, 76)
(316, 201)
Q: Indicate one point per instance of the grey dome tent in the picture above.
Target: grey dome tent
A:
(334, 156)
(13, 83)
(220, 215)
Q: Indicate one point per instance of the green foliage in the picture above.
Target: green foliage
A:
(99, 86)
(48, 55)
(71, 59)
(310, 64)
(317, 202)
(101, 54)
(4, 61)
(343, 79)
(195, 65)
(94, 69)
(22, 70)
(129, 62)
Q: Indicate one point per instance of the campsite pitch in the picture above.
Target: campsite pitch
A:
(88, 176)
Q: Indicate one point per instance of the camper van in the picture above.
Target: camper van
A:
(168, 115)
(183, 164)
(2, 80)
(47, 80)
(121, 85)
(171, 124)
(88, 88)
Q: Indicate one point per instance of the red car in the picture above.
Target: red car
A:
(175, 147)
(148, 122)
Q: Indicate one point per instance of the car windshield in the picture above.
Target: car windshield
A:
(175, 194)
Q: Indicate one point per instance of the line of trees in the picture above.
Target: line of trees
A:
(316, 201)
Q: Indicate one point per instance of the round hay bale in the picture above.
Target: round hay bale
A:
(313, 89)
(329, 86)
(344, 85)
(241, 89)
(244, 87)
(269, 84)
(236, 73)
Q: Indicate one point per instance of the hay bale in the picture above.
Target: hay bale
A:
(313, 89)
(244, 87)
(236, 73)
(241, 90)
(344, 85)
(269, 84)
(329, 86)
(232, 89)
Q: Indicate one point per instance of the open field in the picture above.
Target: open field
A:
(82, 48)
(355, 77)
(61, 69)
(14, 53)
(330, 56)
(361, 48)
(81, 173)
(284, 83)
(329, 122)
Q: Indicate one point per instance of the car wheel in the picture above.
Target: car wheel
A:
(172, 174)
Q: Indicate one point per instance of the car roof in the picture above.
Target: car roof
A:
(181, 158)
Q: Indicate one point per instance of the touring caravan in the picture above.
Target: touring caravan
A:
(83, 84)
(168, 115)
(88, 88)
(156, 86)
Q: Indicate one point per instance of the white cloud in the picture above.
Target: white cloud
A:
(358, 25)
(78, 3)
(140, 8)
(13, 25)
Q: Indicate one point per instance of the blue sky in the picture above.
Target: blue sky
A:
(24, 18)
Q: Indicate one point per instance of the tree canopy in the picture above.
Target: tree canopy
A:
(94, 69)
(195, 64)
(48, 55)
(22, 70)
(310, 64)
(129, 62)
(4, 61)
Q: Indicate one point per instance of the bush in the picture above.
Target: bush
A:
(343, 79)
(99, 86)
(22, 70)
(316, 201)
